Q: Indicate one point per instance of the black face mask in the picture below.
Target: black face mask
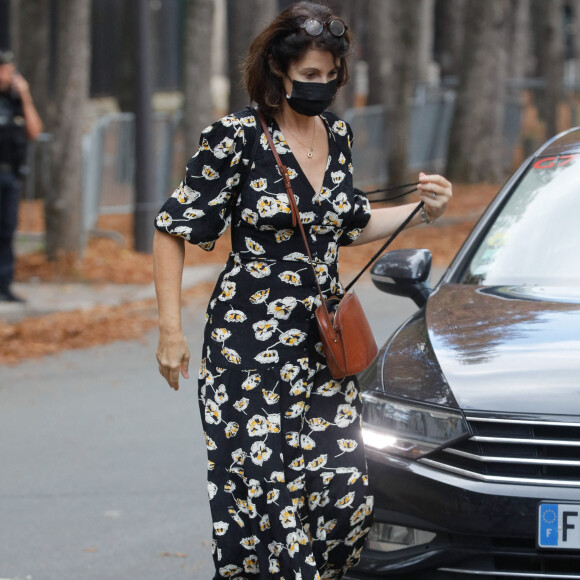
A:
(311, 99)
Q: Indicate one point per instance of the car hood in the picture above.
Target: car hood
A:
(508, 349)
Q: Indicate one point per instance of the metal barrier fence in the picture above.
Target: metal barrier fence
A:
(109, 163)
(431, 116)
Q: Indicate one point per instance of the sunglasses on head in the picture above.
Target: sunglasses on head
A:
(314, 27)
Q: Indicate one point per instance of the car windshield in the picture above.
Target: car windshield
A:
(535, 240)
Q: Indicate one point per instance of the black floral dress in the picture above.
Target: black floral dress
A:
(287, 476)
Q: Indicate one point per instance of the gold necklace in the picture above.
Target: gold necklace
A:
(310, 149)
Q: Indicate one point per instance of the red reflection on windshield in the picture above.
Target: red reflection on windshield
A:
(554, 162)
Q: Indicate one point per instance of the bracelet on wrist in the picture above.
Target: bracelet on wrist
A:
(425, 217)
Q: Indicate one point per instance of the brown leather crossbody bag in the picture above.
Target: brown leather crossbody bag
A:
(347, 339)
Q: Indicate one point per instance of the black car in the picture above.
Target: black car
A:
(472, 409)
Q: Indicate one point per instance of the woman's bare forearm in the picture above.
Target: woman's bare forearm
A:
(168, 257)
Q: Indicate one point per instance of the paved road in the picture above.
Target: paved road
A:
(103, 467)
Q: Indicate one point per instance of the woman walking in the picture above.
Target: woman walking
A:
(287, 477)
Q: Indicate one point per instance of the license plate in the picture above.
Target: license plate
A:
(559, 526)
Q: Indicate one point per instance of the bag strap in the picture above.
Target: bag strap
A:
(296, 214)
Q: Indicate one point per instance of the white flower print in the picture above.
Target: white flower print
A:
(209, 173)
(258, 270)
(182, 232)
(270, 397)
(231, 355)
(254, 488)
(337, 177)
(250, 543)
(257, 426)
(282, 308)
(345, 416)
(230, 486)
(235, 316)
(213, 415)
(249, 216)
(322, 195)
(318, 424)
(339, 127)
(274, 567)
(317, 463)
(267, 356)
(241, 404)
(290, 278)
(264, 329)
(259, 184)
(272, 495)
(295, 410)
(228, 290)
(231, 429)
(297, 464)
(299, 387)
(212, 489)
(229, 571)
(185, 195)
(293, 439)
(342, 159)
(164, 219)
(283, 235)
(223, 148)
(352, 479)
(355, 535)
(238, 457)
(260, 296)
(233, 181)
(341, 203)
(210, 443)
(322, 273)
(292, 337)
(254, 247)
(325, 527)
(329, 388)
(347, 445)
(220, 528)
(296, 257)
(273, 422)
(331, 254)
(251, 382)
(265, 523)
(351, 392)
(289, 372)
(259, 453)
(267, 207)
(326, 477)
(251, 565)
(221, 395)
(220, 334)
(307, 442)
(287, 517)
(193, 214)
(307, 217)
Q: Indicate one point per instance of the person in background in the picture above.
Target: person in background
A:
(19, 122)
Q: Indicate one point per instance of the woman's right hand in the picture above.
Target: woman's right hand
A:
(173, 357)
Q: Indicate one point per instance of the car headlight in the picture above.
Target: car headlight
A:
(407, 428)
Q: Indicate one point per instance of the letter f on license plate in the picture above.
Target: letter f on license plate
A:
(559, 526)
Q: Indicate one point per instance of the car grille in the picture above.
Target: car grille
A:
(515, 451)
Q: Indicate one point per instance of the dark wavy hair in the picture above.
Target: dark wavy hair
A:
(283, 43)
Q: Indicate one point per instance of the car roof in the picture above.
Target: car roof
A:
(565, 143)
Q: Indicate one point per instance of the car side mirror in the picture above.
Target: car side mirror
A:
(404, 273)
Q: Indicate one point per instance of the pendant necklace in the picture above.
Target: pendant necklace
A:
(310, 149)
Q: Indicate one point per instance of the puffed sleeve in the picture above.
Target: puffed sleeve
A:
(361, 208)
(199, 210)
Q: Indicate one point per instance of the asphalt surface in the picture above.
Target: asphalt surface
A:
(103, 466)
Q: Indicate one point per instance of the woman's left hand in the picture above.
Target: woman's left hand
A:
(435, 191)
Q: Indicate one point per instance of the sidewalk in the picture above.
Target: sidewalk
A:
(45, 298)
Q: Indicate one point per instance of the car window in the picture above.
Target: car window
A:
(535, 240)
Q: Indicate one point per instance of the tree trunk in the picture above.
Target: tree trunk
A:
(476, 140)
(31, 48)
(449, 34)
(520, 42)
(246, 18)
(551, 18)
(63, 207)
(198, 107)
